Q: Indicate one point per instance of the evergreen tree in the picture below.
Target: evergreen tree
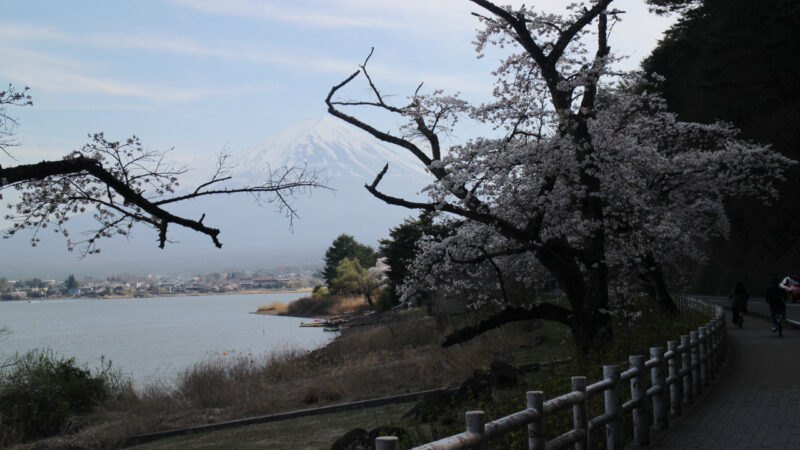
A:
(71, 283)
(345, 246)
(352, 278)
(34, 283)
(736, 61)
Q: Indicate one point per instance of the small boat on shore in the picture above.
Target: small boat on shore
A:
(333, 323)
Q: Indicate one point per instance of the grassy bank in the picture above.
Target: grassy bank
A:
(401, 353)
(398, 352)
(317, 432)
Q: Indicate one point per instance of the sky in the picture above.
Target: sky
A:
(202, 75)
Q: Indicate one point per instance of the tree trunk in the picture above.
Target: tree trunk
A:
(587, 292)
(591, 327)
(368, 296)
(655, 278)
(591, 323)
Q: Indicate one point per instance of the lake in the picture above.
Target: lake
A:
(152, 339)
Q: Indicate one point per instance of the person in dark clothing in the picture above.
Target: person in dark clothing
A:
(776, 298)
(738, 297)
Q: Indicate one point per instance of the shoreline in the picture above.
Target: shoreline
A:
(167, 295)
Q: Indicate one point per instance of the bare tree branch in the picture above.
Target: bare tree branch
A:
(546, 311)
(45, 169)
(590, 88)
(569, 34)
(385, 137)
(133, 188)
(547, 63)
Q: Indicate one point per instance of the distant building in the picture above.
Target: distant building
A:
(266, 283)
(15, 295)
(169, 287)
(260, 282)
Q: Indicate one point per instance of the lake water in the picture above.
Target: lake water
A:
(152, 339)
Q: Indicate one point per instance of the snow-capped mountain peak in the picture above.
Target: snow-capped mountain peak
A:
(333, 146)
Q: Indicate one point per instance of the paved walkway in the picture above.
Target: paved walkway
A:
(756, 402)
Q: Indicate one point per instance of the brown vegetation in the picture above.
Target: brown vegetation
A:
(396, 355)
(275, 307)
(399, 352)
(318, 306)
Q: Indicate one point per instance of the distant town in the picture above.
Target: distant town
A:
(131, 286)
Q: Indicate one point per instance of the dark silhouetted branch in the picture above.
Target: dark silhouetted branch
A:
(546, 311)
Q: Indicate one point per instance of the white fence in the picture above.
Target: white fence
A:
(677, 376)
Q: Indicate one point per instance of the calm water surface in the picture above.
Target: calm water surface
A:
(152, 339)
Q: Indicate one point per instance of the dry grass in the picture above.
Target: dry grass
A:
(326, 306)
(391, 357)
(349, 305)
(398, 353)
(275, 307)
(309, 433)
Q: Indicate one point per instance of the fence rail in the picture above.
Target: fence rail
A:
(677, 376)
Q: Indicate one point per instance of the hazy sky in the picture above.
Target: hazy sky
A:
(200, 75)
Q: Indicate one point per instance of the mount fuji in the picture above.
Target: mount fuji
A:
(338, 149)
(253, 236)
(347, 158)
(344, 156)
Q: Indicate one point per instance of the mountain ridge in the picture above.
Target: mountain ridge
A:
(330, 145)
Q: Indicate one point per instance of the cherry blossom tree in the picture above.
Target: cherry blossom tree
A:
(591, 181)
(121, 184)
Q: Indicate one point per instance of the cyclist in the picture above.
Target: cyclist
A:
(775, 297)
(739, 297)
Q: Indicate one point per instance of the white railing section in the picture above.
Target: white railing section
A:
(676, 377)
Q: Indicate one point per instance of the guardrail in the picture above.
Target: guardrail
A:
(677, 376)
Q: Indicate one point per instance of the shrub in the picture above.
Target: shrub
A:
(325, 306)
(385, 300)
(40, 394)
(310, 306)
(319, 291)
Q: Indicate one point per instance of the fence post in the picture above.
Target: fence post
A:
(686, 368)
(476, 422)
(715, 349)
(660, 407)
(724, 331)
(711, 348)
(641, 424)
(664, 374)
(696, 380)
(615, 434)
(676, 388)
(720, 332)
(580, 420)
(702, 352)
(536, 440)
(387, 443)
